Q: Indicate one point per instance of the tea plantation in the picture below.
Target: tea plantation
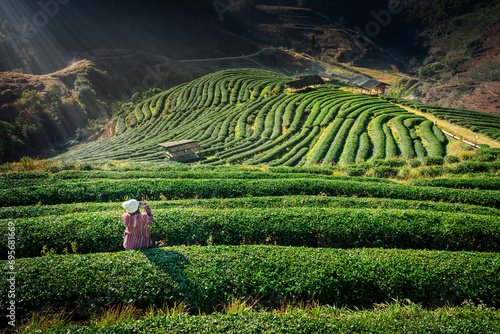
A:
(275, 230)
(246, 116)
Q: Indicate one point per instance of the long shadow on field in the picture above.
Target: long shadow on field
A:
(174, 264)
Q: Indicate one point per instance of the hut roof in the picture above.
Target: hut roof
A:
(363, 82)
(182, 150)
(181, 143)
(305, 81)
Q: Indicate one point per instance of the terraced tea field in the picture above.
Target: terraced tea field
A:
(225, 234)
(481, 123)
(296, 244)
(245, 116)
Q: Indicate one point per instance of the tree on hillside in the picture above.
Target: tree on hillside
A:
(139, 97)
(8, 142)
(32, 119)
(91, 90)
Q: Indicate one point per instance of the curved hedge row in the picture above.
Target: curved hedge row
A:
(204, 277)
(485, 123)
(435, 145)
(156, 189)
(486, 183)
(253, 202)
(311, 227)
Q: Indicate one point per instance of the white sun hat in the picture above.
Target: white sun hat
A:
(131, 206)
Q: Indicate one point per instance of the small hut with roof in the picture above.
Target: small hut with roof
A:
(303, 82)
(181, 151)
(368, 85)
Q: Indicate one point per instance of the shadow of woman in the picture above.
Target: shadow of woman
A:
(175, 265)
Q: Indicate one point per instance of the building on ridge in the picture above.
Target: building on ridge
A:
(368, 85)
(303, 82)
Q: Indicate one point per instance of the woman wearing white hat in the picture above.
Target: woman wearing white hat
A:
(137, 232)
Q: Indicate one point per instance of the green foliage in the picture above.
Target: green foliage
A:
(290, 201)
(394, 317)
(139, 97)
(436, 150)
(432, 161)
(79, 172)
(30, 120)
(354, 171)
(204, 277)
(426, 72)
(451, 159)
(242, 116)
(484, 123)
(115, 190)
(395, 162)
(384, 172)
(339, 227)
(474, 44)
(92, 87)
(7, 141)
(489, 183)
(491, 153)
(414, 163)
(405, 140)
(468, 166)
(31, 100)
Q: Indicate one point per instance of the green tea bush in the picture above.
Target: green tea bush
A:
(24, 175)
(384, 172)
(431, 171)
(391, 147)
(204, 277)
(487, 183)
(326, 142)
(432, 161)
(451, 159)
(405, 141)
(52, 169)
(395, 162)
(487, 157)
(290, 201)
(59, 192)
(414, 163)
(468, 166)
(354, 171)
(312, 227)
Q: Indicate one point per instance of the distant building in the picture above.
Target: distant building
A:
(371, 86)
(324, 75)
(181, 151)
(303, 82)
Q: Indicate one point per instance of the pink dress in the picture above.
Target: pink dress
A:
(137, 232)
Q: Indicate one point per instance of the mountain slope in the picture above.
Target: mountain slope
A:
(245, 116)
(82, 96)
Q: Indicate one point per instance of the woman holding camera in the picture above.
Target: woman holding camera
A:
(136, 234)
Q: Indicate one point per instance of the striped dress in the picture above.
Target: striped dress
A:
(137, 232)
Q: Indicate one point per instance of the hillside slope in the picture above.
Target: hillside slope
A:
(462, 67)
(80, 99)
(450, 47)
(246, 116)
